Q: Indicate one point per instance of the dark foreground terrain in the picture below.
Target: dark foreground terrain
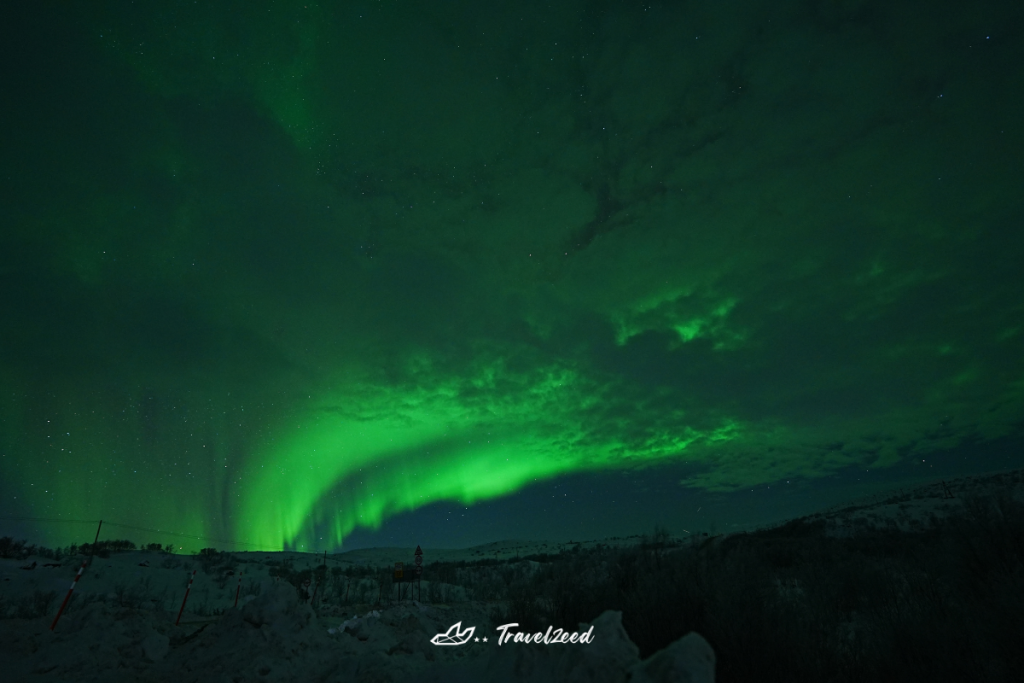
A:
(805, 601)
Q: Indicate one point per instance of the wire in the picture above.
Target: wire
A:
(47, 519)
(141, 528)
(198, 538)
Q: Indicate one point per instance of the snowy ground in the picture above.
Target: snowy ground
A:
(921, 507)
(276, 637)
(120, 626)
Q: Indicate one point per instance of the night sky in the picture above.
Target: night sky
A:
(319, 275)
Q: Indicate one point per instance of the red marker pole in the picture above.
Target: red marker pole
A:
(81, 570)
(187, 589)
(238, 590)
(68, 596)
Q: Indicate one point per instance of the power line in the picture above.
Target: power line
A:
(140, 528)
(198, 538)
(49, 519)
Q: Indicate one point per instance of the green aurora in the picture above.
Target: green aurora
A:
(280, 272)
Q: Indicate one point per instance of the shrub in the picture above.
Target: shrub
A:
(207, 558)
(522, 606)
(11, 549)
(36, 605)
(80, 601)
(132, 596)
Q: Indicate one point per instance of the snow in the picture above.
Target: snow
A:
(274, 636)
(278, 637)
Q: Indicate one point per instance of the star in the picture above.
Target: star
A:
(485, 639)
(476, 640)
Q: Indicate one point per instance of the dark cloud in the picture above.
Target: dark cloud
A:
(288, 263)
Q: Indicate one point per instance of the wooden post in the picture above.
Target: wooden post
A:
(95, 541)
(81, 569)
(239, 589)
(318, 579)
(418, 562)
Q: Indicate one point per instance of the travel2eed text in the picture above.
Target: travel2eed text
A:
(549, 638)
(460, 636)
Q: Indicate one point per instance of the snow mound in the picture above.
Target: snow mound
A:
(611, 658)
(280, 609)
(688, 660)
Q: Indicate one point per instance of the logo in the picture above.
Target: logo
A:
(458, 636)
(454, 636)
